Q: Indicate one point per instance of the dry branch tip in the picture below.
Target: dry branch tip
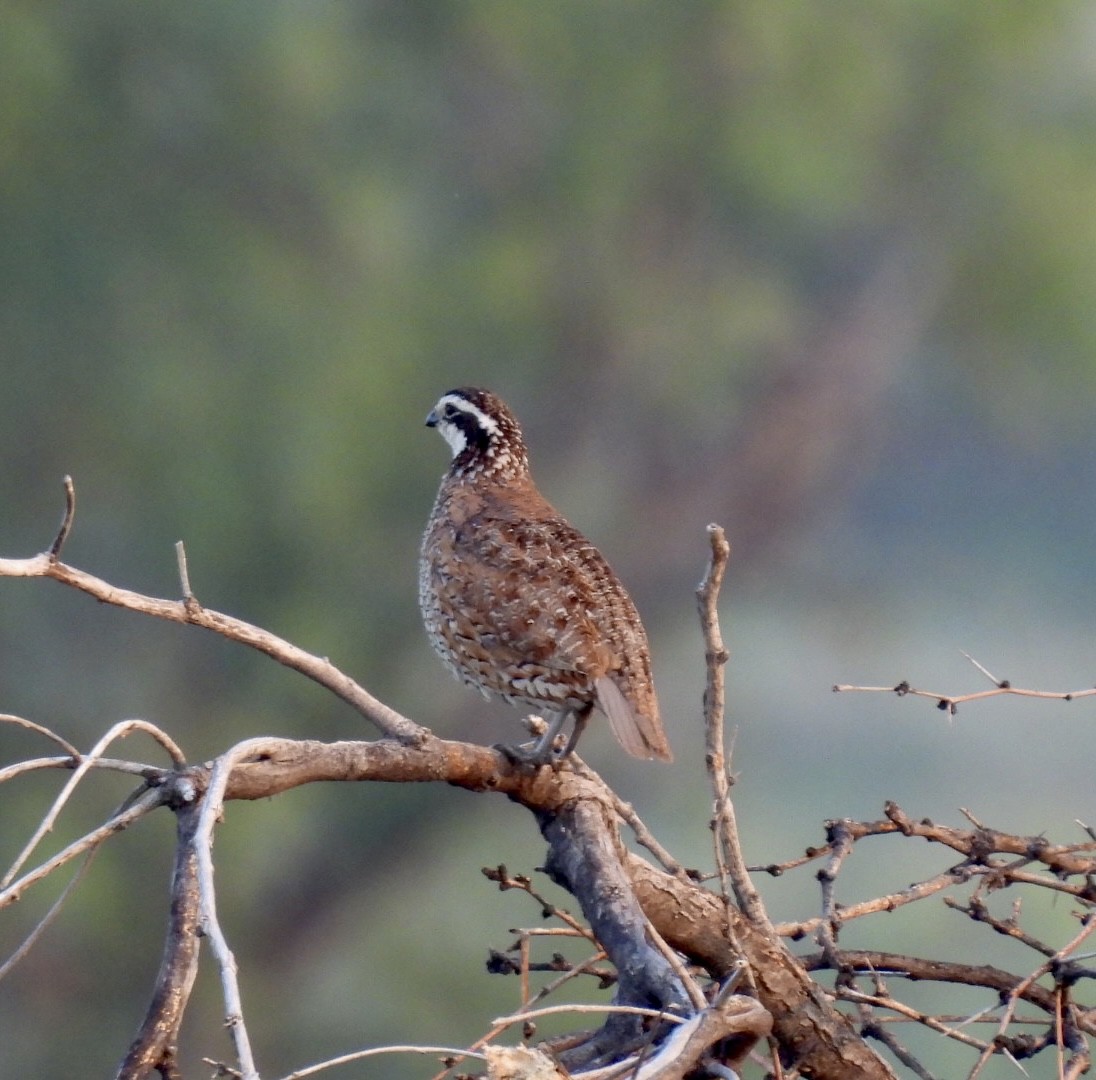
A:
(189, 598)
(66, 520)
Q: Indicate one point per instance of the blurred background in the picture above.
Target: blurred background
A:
(823, 276)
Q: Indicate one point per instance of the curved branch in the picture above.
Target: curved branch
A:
(189, 611)
(30, 725)
(66, 521)
(118, 731)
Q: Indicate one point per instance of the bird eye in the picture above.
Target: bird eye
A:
(449, 411)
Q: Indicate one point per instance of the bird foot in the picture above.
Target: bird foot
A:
(533, 754)
(546, 748)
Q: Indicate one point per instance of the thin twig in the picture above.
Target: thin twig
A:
(872, 1029)
(584, 967)
(54, 911)
(626, 812)
(999, 683)
(976, 909)
(212, 809)
(886, 903)
(696, 995)
(950, 702)
(30, 725)
(849, 994)
(553, 1010)
(132, 768)
(144, 804)
(361, 1055)
(959, 1022)
(505, 880)
(184, 576)
(716, 656)
(118, 731)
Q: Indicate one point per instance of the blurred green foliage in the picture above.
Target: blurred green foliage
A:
(824, 273)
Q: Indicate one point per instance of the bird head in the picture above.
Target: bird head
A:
(483, 435)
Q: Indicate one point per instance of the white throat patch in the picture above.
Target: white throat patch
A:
(453, 436)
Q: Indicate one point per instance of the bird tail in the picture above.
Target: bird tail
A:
(642, 736)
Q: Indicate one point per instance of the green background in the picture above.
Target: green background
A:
(823, 273)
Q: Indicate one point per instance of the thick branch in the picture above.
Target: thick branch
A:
(810, 1031)
(584, 857)
(690, 918)
(154, 1046)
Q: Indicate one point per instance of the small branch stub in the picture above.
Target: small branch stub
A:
(190, 601)
(66, 521)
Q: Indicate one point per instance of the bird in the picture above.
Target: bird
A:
(518, 603)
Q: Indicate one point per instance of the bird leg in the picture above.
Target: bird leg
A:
(541, 751)
(580, 726)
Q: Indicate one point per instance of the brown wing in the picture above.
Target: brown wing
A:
(547, 596)
(533, 602)
(626, 694)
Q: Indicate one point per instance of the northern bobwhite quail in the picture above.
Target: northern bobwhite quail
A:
(517, 602)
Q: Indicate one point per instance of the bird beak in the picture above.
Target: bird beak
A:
(432, 419)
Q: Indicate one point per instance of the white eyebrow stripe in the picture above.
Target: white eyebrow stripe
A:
(488, 423)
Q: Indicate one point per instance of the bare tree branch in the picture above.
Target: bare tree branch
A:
(118, 731)
(378, 1051)
(132, 768)
(66, 521)
(642, 919)
(820, 1040)
(950, 703)
(584, 856)
(8, 718)
(44, 922)
(122, 820)
(919, 969)
(154, 1046)
(188, 611)
(211, 811)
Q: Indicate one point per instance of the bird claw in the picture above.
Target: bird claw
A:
(532, 754)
